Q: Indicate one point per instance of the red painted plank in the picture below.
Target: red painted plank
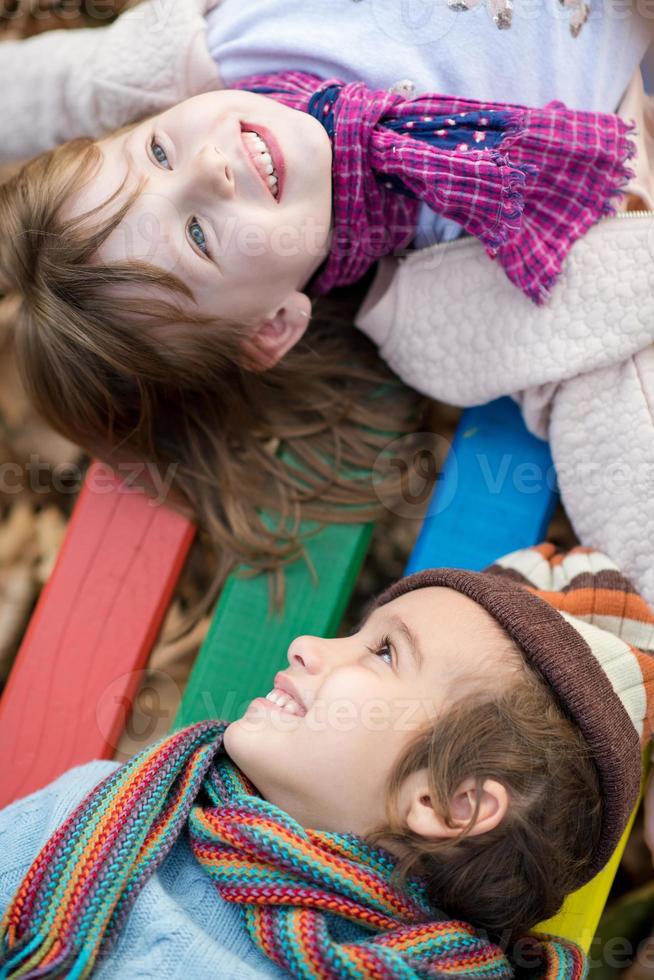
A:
(91, 633)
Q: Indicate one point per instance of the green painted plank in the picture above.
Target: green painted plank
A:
(247, 643)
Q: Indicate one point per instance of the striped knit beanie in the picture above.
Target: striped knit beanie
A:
(582, 626)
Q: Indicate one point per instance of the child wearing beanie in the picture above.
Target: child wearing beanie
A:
(410, 800)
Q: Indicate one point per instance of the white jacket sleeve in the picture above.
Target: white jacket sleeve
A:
(67, 83)
(601, 432)
(451, 325)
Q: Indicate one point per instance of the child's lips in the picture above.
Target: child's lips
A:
(277, 700)
(284, 697)
(284, 683)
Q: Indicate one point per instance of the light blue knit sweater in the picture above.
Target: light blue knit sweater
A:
(179, 926)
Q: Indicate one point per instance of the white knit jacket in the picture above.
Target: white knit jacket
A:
(445, 318)
(66, 83)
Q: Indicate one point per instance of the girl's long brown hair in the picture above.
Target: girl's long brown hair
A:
(299, 440)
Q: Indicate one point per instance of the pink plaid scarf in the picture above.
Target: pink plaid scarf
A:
(527, 182)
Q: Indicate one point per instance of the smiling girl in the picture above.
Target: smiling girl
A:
(408, 801)
(153, 361)
(249, 242)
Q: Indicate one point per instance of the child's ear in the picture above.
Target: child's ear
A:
(422, 818)
(278, 332)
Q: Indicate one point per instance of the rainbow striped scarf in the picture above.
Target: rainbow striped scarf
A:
(294, 884)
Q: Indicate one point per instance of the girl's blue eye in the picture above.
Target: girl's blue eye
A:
(384, 649)
(201, 242)
(386, 652)
(153, 145)
(198, 243)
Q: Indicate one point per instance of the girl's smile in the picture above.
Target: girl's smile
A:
(284, 696)
(265, 153)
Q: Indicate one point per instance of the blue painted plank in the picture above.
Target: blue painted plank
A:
(496, 492)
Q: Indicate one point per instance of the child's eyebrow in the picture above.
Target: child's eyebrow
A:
(124, 149)
(411, 640)
(398, 624)
(131, 162)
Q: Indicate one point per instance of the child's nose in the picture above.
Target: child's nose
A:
(306, 652)
(212, 165)
(317, 655)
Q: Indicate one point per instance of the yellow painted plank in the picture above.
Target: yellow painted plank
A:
(581, 911)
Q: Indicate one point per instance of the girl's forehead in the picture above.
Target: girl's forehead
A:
(151, 229)
(447, 624)
(428, 602)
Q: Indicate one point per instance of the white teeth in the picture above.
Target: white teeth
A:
(266, 159)
(262, 158)
(284, 701)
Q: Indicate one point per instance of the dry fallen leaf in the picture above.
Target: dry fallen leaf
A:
(18, 534)
(50, 531)
(17, 594)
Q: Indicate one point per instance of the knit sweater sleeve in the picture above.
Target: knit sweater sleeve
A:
(62, 84)
(179, 925)
(26, 824)
(453, 327)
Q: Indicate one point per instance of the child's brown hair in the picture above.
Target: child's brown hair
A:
(108, 377)
(507, 880)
